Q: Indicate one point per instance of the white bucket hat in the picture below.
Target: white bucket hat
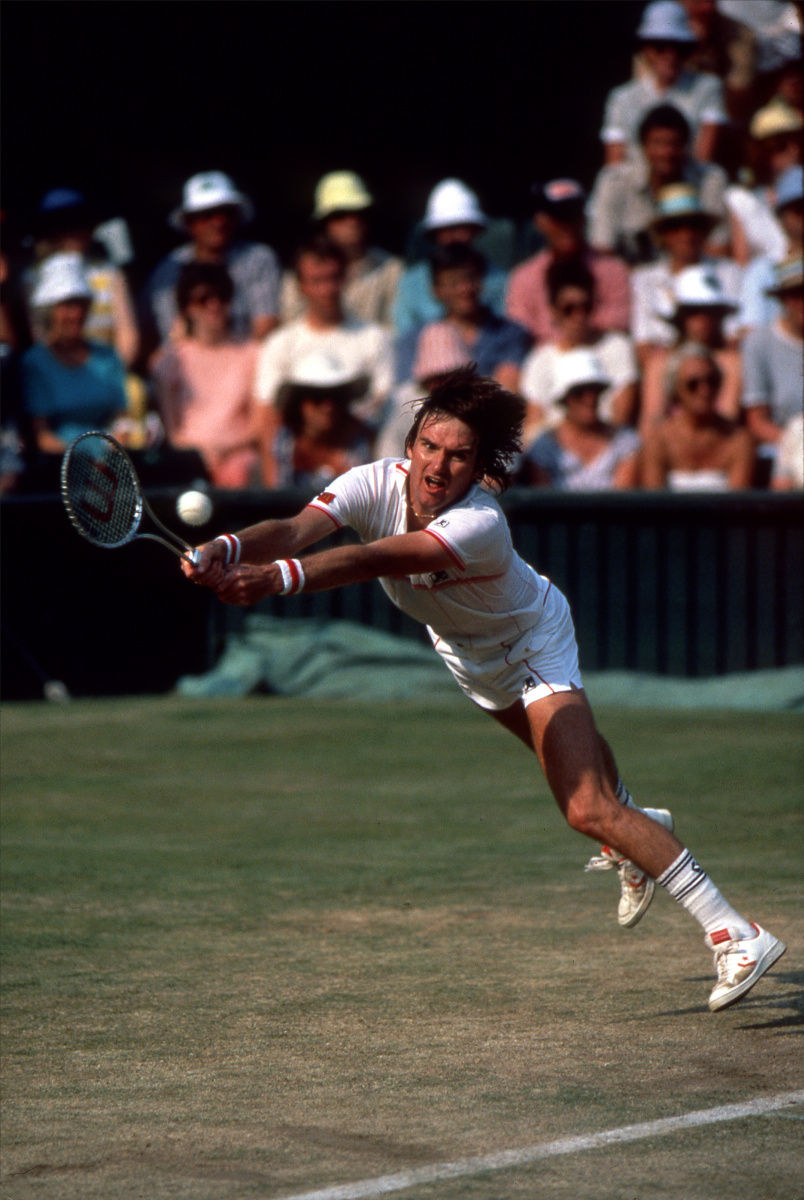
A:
(453, 203)
(574, 368)
(320, 370)
(61, 277)
(341, 191)
(665, 21)
(699, 287)
(210, 189)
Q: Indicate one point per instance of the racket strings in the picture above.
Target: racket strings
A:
(101, 492)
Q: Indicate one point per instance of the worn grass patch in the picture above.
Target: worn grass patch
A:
(256, 948)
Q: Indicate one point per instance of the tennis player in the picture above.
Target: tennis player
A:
(435, 536)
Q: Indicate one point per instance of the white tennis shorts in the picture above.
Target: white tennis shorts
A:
(541, 663)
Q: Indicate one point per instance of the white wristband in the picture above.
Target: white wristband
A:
(233, 548)
(292, 576)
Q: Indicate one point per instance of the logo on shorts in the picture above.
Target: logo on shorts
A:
(326, 497)
(529, 685)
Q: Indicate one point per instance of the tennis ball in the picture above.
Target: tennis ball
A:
(194, 508)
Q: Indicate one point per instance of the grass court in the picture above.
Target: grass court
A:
(255, 949)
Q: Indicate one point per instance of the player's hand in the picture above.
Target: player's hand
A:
(210, 569)
(246, 584)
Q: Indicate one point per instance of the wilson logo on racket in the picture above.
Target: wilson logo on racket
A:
(106, 488)
(104, 500)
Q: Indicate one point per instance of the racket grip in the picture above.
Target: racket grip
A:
(193, 556)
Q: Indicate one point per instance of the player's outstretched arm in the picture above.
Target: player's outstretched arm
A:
(262, 543)
(398, 556)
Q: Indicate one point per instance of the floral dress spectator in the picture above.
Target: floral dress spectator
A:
(70, 384)
(583, 452)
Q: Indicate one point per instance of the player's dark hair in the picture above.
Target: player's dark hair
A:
(456, 256)
(210, 275)
(319, 246)
(664, 116)
(493, 413)
(569, 272)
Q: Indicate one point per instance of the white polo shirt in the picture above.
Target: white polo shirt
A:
(486, 600)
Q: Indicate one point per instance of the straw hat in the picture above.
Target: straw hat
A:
(340, 191)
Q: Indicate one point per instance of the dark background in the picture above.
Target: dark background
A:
(125, 100)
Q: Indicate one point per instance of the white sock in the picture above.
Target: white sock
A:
(690, 885)
(624, 796)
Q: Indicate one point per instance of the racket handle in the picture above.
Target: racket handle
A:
(193, 556)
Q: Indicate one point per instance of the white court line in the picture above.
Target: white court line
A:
(383, 1185)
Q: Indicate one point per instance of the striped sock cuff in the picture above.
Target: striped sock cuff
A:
(683, 877)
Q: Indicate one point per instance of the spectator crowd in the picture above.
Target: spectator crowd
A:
(655, 327)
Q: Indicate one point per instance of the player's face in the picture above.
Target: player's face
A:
(443, 464)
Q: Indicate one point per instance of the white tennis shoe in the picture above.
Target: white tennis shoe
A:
(636, 887)
(740, 964)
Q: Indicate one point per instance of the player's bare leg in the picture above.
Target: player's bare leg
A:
(570, 750)
(636, 886)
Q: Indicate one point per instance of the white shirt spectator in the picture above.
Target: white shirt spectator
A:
(363, 349)
(653, 300)
(697, 94)
(539, 374)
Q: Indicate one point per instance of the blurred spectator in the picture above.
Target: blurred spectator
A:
(204, 380)
(559, 217)
(775, 26)
(343, 208)
(693, 448)
(453, 214)
(773, 391)
(788, 466)
(756, 306)
(363, 348)
(64, 224)
(623, 203)
(70, 385)
(666, 41)
(12, 340)
(319, 438)
(496, 345)
(212, 214)
(583, 452)
(775, 147)
(571, 288)
(682, 227)
(724, 47)
(438, 353)
(701, 307)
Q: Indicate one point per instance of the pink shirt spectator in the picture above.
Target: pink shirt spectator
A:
(528, 301)
(204, 394)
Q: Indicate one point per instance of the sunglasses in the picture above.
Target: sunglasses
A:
(567, 310)
(205, 297)
(666, 47)
(698, 382)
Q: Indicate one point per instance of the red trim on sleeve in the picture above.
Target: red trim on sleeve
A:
(458, 562)
(338, 524)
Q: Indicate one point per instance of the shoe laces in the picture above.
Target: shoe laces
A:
(604, 861)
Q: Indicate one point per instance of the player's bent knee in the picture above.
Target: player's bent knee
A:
(588, 813)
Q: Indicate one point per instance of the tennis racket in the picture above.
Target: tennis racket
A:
(104, 500)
